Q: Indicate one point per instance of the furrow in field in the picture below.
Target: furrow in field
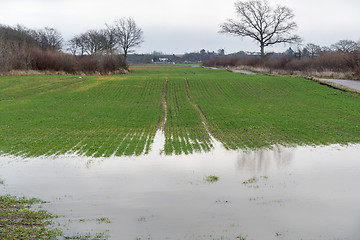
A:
(163, 105)
(274, 135)
(121, 148)
(105, 143)
(261, 132)
(209, 126)
(114, 141)
(237, 136)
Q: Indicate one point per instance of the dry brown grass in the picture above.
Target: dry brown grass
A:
(306, 73)
(327, 65)
(31, 72)
(51, 72)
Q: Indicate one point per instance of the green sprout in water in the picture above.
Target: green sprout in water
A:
(142, 219)
(251, 180)
(211, 178)
(255, 179)
(103, 220)
(241, 237)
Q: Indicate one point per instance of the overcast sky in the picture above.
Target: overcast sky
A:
(183, 25)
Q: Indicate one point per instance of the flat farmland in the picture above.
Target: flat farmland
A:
(119, 115)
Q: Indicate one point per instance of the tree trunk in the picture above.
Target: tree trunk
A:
(125, 55)
(262, 49)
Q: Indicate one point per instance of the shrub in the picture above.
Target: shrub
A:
(88, 64)
(21, 56)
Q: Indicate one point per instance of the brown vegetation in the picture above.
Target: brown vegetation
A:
(28, 51)
(335, 64)
(34, 59)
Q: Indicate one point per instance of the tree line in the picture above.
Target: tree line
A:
(268, 26)
(102, 51)
(339, 60)
(121, 36)
(99, 50)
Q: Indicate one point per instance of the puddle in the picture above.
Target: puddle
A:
(284, 193)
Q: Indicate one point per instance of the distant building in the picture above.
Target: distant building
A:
(253, 53)
(290, 52)
(161, 60)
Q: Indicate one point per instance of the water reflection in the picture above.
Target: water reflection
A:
(263, 159)
(320, 184)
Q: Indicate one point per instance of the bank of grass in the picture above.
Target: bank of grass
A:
(118, 115)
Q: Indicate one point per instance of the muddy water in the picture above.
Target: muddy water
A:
(285, 193)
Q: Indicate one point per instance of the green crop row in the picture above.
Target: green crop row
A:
(119, 114)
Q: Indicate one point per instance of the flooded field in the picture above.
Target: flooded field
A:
(283, 193)
(118, 115)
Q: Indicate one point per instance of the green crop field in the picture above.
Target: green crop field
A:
(119, 114)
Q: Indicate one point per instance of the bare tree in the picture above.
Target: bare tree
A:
(325, 49)
(313, 49)
(262, 23)
(111, 41)
(48, 38)
(20, 34)
(128, 35)
(345, 46)
(74, 46)
(91, 42)
(94, 41)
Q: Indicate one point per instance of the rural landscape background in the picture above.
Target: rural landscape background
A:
(186, 120)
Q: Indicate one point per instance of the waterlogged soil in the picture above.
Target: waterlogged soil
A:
(283, 193)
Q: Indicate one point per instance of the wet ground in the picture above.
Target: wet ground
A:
(284, 193)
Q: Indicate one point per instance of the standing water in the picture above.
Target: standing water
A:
(283, 193)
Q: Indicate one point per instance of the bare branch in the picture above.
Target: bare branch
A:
(261, 23)
(127, 34)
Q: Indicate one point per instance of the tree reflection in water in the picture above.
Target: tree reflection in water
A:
(263, 159)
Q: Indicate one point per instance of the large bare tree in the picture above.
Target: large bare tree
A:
(345, 46)
(262, 23)
(128, 35)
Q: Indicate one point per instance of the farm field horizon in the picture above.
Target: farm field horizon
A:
(119, 115)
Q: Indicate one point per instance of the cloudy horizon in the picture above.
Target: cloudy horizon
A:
(183, 26)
